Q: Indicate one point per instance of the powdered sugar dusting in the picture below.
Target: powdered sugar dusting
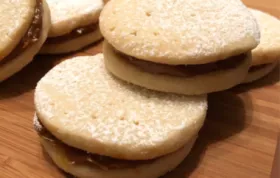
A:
(86, 107)
(181, 31)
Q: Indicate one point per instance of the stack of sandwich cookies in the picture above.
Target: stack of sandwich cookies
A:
(95, 125)
(186, 47)
(74, 25)
(267, 54)
(24, 27)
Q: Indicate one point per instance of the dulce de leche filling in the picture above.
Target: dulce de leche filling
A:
(76, 33)
(258, 67)
(79, 157)
(31, 36)
(184, 70)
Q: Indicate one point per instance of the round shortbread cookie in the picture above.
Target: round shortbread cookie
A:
(260, 73)
(15, 18)
(268, 51)
(73, 44)
(84, 106)
(200, 84)
(181, 31)
(152, 169)
(67, 15)
(16, 64)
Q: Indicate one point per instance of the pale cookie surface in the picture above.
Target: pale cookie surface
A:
(15, 19)
(179, 32)
(68, 15)
(268, 51)
(84, 106)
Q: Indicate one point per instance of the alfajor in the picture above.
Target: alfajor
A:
(74, 25)
(267, 54)
(24, 26)
(185, 46)
(95, 125)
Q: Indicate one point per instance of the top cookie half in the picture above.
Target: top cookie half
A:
(67, 15)
(16, 17)
(180, 31)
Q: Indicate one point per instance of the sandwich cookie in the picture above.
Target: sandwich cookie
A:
(267, 54)
(74, 25)
(24, 27)
(185, 47)
(95, 125)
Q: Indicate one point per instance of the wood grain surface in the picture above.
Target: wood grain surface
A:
(237, 141)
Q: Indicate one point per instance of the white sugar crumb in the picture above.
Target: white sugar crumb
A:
(37, 126)
(83, 100)
(181, 31)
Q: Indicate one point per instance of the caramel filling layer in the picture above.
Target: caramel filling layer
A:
(76, 33)
(258, 67)
(80, 157)
(31, 36)
(184, 70)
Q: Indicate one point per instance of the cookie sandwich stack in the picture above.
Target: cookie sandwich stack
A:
(137, 110)
(266, 55)
(95, 125)
(187, 47)
(24, 27)
(74, 25)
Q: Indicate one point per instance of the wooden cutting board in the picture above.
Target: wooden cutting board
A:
(237, 141)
